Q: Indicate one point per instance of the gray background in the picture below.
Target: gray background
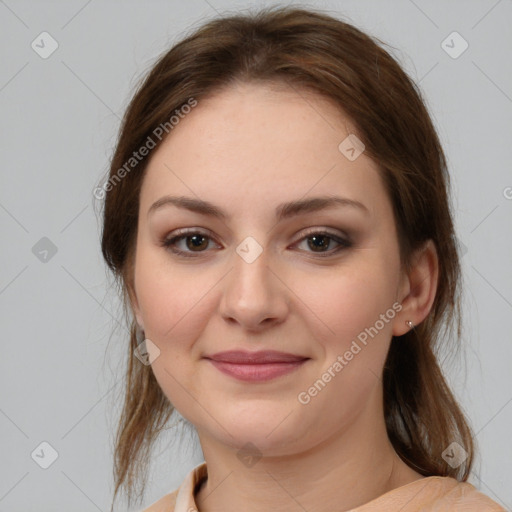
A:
(61, 366)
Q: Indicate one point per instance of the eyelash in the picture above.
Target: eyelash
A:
(170, 243)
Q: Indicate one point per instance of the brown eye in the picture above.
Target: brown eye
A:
(319, 242)
(195, 242)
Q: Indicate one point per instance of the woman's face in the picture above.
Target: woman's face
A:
(259, 280)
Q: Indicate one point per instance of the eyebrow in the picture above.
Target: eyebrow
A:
(282, 211)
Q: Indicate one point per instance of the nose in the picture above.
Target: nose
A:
(254, 296)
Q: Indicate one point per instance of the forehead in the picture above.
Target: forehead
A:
(262, 142)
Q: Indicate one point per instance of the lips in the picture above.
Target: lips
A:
(261, 357)
(256, 366)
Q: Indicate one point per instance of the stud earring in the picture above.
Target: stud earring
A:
(409, 324)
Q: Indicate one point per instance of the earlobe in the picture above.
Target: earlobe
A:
(138, 317)
(422, 281)
(135, 307)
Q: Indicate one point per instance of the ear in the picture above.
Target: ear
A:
(418, 288)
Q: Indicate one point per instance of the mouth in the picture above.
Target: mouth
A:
(256, 366)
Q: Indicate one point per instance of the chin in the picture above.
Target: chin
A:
(269, 434)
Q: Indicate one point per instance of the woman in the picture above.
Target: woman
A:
(277, 213)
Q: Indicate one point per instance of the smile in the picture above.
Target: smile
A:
(258, 366)
(257, 371)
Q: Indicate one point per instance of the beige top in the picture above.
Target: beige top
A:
(429, 494)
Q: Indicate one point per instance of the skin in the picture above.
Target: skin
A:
(247, 149)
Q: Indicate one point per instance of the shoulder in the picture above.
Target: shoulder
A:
(164, 504)
(445, 494)
(433, 494)
(467, 497)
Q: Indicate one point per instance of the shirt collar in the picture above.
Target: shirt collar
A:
(426, 493)
(185, 501)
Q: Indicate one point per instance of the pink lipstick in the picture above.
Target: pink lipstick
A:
(256, 366)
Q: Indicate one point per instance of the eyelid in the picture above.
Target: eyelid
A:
(335, 232)
(179, 234)
(190, 231)
(313, 230)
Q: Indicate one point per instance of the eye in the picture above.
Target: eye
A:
(317, 241)
(196, 242)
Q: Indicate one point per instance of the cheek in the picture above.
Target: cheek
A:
(349, 298)
(176, 305)
(168, 296)
(354, 314)
(354, 347)
(175, 313)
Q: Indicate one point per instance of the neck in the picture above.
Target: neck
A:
(352, 467)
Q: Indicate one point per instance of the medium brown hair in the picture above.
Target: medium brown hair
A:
(309, 51)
